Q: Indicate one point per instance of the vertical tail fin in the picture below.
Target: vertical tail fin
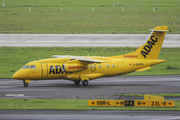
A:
(151, 48)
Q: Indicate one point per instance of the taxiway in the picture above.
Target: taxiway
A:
(103, 88)
(82, 40)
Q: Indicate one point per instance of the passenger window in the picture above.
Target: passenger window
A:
(32, 67)
(99, 66)
(107, 66)
(113, 66)
(26, 67)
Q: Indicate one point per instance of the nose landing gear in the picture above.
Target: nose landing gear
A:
(26, 82)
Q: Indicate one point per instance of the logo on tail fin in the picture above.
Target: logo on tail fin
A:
(147, 48)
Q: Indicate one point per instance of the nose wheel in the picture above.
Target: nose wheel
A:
(26, 84)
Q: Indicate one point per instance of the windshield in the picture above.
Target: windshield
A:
(26, 67)
(29, 66)
(32, 67)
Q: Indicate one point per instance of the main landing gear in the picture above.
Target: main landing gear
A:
(85, 82)
(77, 82)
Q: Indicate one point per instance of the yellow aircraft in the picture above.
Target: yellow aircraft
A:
(85, 68)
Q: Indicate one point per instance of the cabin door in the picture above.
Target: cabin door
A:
(44, 69)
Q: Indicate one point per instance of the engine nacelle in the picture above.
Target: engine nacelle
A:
(73, 67)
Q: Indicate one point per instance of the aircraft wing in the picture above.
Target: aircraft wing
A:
(65, 56)
(82, 58)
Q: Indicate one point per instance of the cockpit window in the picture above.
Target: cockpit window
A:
(29, 66)
(32, 67)
(26, 67)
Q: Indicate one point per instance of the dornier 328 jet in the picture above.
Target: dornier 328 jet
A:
(85, 68)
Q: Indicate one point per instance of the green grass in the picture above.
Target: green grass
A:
(56, 104)
(13, 58)
(164, 95)
(77, 16)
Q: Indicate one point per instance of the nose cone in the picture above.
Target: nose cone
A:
(18, 75)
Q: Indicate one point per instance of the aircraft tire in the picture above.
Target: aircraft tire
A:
(77, 82)
(26, 84)
(85, 82)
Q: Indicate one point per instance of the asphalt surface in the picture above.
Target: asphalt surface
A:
(103, 88)
(87, 115)
(83, 40)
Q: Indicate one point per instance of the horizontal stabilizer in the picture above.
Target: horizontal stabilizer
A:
(160, 30)
(143, 69)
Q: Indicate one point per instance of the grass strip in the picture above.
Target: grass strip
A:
(160, 94)
(77, 16)
(70, 104)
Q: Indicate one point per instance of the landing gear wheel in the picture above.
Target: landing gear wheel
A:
(77, 82)
(26, 84)
(85, 82)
